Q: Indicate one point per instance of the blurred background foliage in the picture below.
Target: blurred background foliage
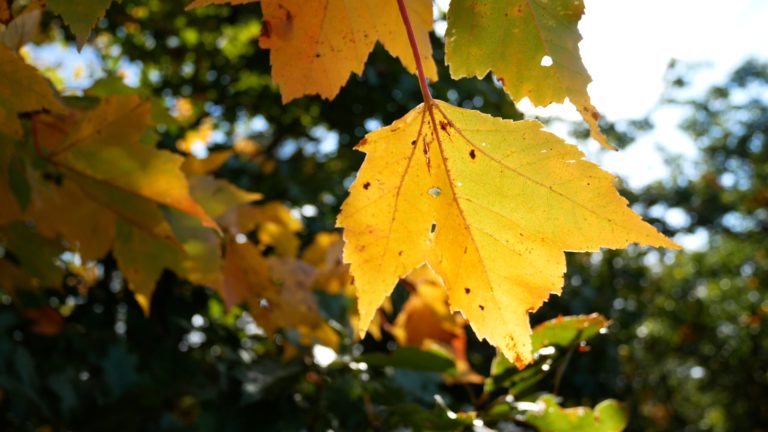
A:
(686, 350)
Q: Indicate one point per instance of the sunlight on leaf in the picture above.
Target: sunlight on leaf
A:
(490, 205)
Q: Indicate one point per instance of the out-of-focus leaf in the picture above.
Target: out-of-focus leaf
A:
(81, 15)
(410, 358)
(607, 416)
(24, 27)
(563, 331)
(38, 93)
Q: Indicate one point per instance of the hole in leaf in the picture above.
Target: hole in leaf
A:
(434, 192)
(546, 61)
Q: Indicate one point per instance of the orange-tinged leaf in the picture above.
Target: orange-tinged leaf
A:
(64, 211)
(316, 44)
(277, 290)
(426, 316)
(324, 253)
(38, 93)
(531, 45)
(105, 148)
(490, 205)
(275, 226)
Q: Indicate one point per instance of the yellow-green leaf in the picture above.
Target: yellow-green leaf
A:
(316, 44)
(80, 15)
(490, 205)
(532, 46)
(218, 196)
(607, 416)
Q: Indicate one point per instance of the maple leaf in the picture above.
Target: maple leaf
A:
(490, 205)
(38, 93)
(316, 44)
(81, 16)
(104, 155)
(531, 45)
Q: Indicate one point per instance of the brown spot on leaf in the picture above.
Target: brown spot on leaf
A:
(472, 154)
(467, 290)
(266, 29)
(366, 185)
(444, 126)
(400, 253)
(482, 308)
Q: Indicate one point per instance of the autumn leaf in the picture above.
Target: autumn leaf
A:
(80, 16)
(274, 225)
(38, 93)
(316, 44)
(104, 155)
(277, 291)
(531, 45)
(490, 205)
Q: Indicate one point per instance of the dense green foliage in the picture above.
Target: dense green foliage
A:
(687, 350)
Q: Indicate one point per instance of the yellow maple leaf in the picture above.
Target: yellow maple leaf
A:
(531, 45)
(490, 205)
(316, 44)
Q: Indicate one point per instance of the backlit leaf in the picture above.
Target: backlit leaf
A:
(490, 205)
(563, 331)
(607, 416)
(531, 45)
(105, 150)
(316, 44)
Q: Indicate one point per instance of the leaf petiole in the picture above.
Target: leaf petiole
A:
(416, 54)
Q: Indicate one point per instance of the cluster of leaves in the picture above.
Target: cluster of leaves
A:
(94, 191)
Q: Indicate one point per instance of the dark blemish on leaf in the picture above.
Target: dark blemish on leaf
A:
(444, 126)
(366, 185)
(465, 249)
(413, 143)
(433, 228)
(352, 280)
(266, 29)
(467, 290)
(482, 308)
(317, 55)
(400, 253)
(472, 154)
